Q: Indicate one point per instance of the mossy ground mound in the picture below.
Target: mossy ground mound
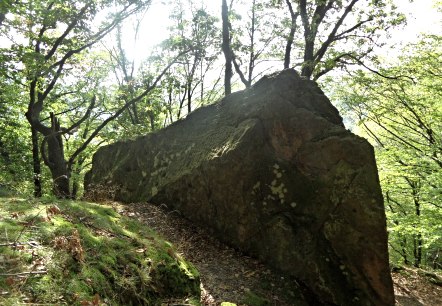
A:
(79, 253)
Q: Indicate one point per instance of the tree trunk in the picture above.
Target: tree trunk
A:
(54, 159)
(75, 187)
(152, 120)
(226, 49)
(36, 164)
(252, 45)
(2, 18)
(403, 244)
(418, 241)
(290, 38)
(75, 177)
(308, 65)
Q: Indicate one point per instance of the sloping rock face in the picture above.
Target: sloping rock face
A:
(272, 171)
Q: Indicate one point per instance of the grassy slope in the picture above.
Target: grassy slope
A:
(81, 253)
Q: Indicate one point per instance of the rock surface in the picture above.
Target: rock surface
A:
(272, 171)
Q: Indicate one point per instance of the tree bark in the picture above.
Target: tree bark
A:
(290, 38)
(226, 49)
(418, 239)
(252, 46)
(75, 176)
(36, 164)
(55, 159)
(2, 18)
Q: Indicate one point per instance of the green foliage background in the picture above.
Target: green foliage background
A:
(400, 111)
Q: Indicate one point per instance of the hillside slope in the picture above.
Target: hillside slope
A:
(79, 253)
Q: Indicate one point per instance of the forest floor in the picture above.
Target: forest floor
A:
(229, 276)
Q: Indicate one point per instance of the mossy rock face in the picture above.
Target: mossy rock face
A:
(273, 171)
(174, 280)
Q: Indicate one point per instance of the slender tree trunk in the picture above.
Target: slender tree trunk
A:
(290, 38)
(308, 65)
(75, 181)
(418, 241)
(2, 17)
(227, 49)
(252, 45)
(189, 98)
(403, 244)
(36, 164)
(152, 120)
(190, 82)
(75, 177)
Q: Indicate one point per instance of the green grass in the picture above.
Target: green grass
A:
(84, 253)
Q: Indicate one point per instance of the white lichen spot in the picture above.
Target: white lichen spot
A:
(278, 175)
(264, 203)
(144, 173)
(257, 185)
(189, 148)
(154, 191)
(274, 182)
(293, 204)
(342, 267)
(285, 190)
(156, 161)
(276, 166)
(327, 259)
(278, 191)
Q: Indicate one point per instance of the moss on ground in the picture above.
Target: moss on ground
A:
(252, 299)
(79, 253)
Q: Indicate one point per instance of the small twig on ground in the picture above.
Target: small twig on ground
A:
(24, 226)
(17, 244)
(11, 244)
(23, 273)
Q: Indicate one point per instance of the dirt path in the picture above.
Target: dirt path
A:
(227, 275)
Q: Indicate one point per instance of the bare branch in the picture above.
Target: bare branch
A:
(24, 273)
(321, 52)
(122, 109)
(238, 70)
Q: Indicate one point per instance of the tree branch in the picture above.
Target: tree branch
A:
(121, 110)
(238, 70)
(360, 62)
(70, 27)
(322, 50)
(86, 115)
(290, 39)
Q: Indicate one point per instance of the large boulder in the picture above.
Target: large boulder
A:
(272, 171)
